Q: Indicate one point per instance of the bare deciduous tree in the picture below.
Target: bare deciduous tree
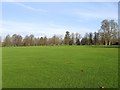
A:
(108, 31)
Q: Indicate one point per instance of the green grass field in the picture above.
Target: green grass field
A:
(60, 67)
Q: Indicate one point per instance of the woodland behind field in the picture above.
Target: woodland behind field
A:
(106, 35)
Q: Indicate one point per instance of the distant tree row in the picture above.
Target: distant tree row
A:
(106, 35)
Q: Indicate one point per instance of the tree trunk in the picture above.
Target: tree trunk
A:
(109, 42)
(106, 43)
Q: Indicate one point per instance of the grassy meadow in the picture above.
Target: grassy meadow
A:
(60, 67)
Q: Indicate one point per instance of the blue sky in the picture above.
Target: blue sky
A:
(49, 18)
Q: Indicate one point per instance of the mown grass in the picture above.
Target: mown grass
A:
(0, 67)
(60, 67)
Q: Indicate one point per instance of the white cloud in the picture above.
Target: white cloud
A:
(96, 11)
(10, 27)
(30, 8)
(38, 29)
(100, 15)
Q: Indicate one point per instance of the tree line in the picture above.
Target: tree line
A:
(106, 35)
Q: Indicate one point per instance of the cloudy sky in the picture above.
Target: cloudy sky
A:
(49, 18)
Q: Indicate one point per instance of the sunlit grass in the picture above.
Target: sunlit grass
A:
(60, 66)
